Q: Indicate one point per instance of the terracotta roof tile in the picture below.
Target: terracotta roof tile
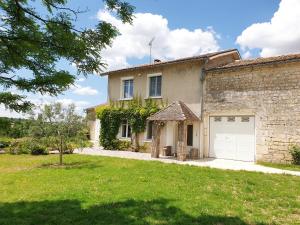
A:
(259, 61)
(177, 111)
(152, 65)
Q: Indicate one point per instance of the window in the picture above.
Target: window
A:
(149, 130)
(189, 135)
(155, 86)
(230, 119)
(245, 119)
(218, 119)
(125, 129)
(127, 88)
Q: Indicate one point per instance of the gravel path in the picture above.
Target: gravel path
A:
(209, 162)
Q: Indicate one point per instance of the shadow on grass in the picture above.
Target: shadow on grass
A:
(72, 165)
(127, 212)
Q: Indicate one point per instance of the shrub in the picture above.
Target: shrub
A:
(5, 142)
(295, 152)
(38, 149)
(124, 145)
(27, 146)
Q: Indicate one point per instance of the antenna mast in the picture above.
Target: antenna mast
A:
(150, 46)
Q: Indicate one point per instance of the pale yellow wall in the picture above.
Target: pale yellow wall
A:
(179, 82)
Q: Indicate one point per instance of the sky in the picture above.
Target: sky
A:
(257, 28)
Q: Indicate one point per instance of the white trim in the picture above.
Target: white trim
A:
(148, 85)
(127, 129)
(154, 74)
(125, 99)
(122, 87)
(127, 78)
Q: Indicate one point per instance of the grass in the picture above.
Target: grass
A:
(281, 166)
(102, 190)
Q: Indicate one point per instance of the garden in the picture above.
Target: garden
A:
(53, 129)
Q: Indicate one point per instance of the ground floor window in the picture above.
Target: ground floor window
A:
(189, 135)
(149, 130)
(125, 129)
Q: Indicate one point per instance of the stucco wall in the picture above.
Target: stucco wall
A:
(179, 82)
(270, 93)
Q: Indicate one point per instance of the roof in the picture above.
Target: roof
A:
(177, 111)
(259, 61)
(181, 60)
(94, 107)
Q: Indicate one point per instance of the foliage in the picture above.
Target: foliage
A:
(124, 145)
(295, 152)
(15, 127)
(27, 146)
(106, 190)
(134, 111)
(110, 120)
(60, 128)
(5, 142)
(32, 44)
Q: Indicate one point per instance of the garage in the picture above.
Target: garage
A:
(232, 137)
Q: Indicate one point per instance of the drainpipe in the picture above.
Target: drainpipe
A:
(202, 79)
(202, 136)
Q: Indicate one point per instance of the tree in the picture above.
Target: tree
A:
(32, 43)
(61, 125)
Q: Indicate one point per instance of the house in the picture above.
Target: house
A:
(93, 124)
(219, 105)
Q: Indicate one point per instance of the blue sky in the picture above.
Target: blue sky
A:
(185, 28)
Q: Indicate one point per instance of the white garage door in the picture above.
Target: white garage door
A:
(232, 137)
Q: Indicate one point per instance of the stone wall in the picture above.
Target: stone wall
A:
(270, 93)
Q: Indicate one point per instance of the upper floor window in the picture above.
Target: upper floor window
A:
(127, 88)
(155, 86)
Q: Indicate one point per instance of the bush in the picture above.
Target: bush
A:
(295, 152)
(20, 146)
(38, 149)
(124, 145)
(5, 142)
(27, 146)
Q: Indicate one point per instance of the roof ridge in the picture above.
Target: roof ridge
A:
(196, 57)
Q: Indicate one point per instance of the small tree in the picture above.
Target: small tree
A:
(62, 125)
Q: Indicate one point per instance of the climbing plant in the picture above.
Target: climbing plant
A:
(135, 112)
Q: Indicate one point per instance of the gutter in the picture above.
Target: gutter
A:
(253, 64)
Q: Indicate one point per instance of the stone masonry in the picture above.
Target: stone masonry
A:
(269, 92)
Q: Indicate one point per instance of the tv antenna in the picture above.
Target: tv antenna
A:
(150, 46)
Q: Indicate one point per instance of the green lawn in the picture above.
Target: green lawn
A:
(100, 190)
(281, 166)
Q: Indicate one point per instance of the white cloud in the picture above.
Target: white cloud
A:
(44, 100)
(8, 113)
(247, 55)
(80, 90)
(281, 35)
(168, 43)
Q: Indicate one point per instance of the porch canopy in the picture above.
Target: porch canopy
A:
(177, 111)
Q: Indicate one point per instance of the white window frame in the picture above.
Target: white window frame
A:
(122, 87)
(146, 139)
(148, 84)
(121, 131)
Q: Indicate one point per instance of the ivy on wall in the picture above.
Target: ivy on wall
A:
(135, 111)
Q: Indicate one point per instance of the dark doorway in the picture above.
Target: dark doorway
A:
(189, 135)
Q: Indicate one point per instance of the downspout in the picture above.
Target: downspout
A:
(202, 129)
(202, 79)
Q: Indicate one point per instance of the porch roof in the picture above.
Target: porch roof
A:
(177, 111)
